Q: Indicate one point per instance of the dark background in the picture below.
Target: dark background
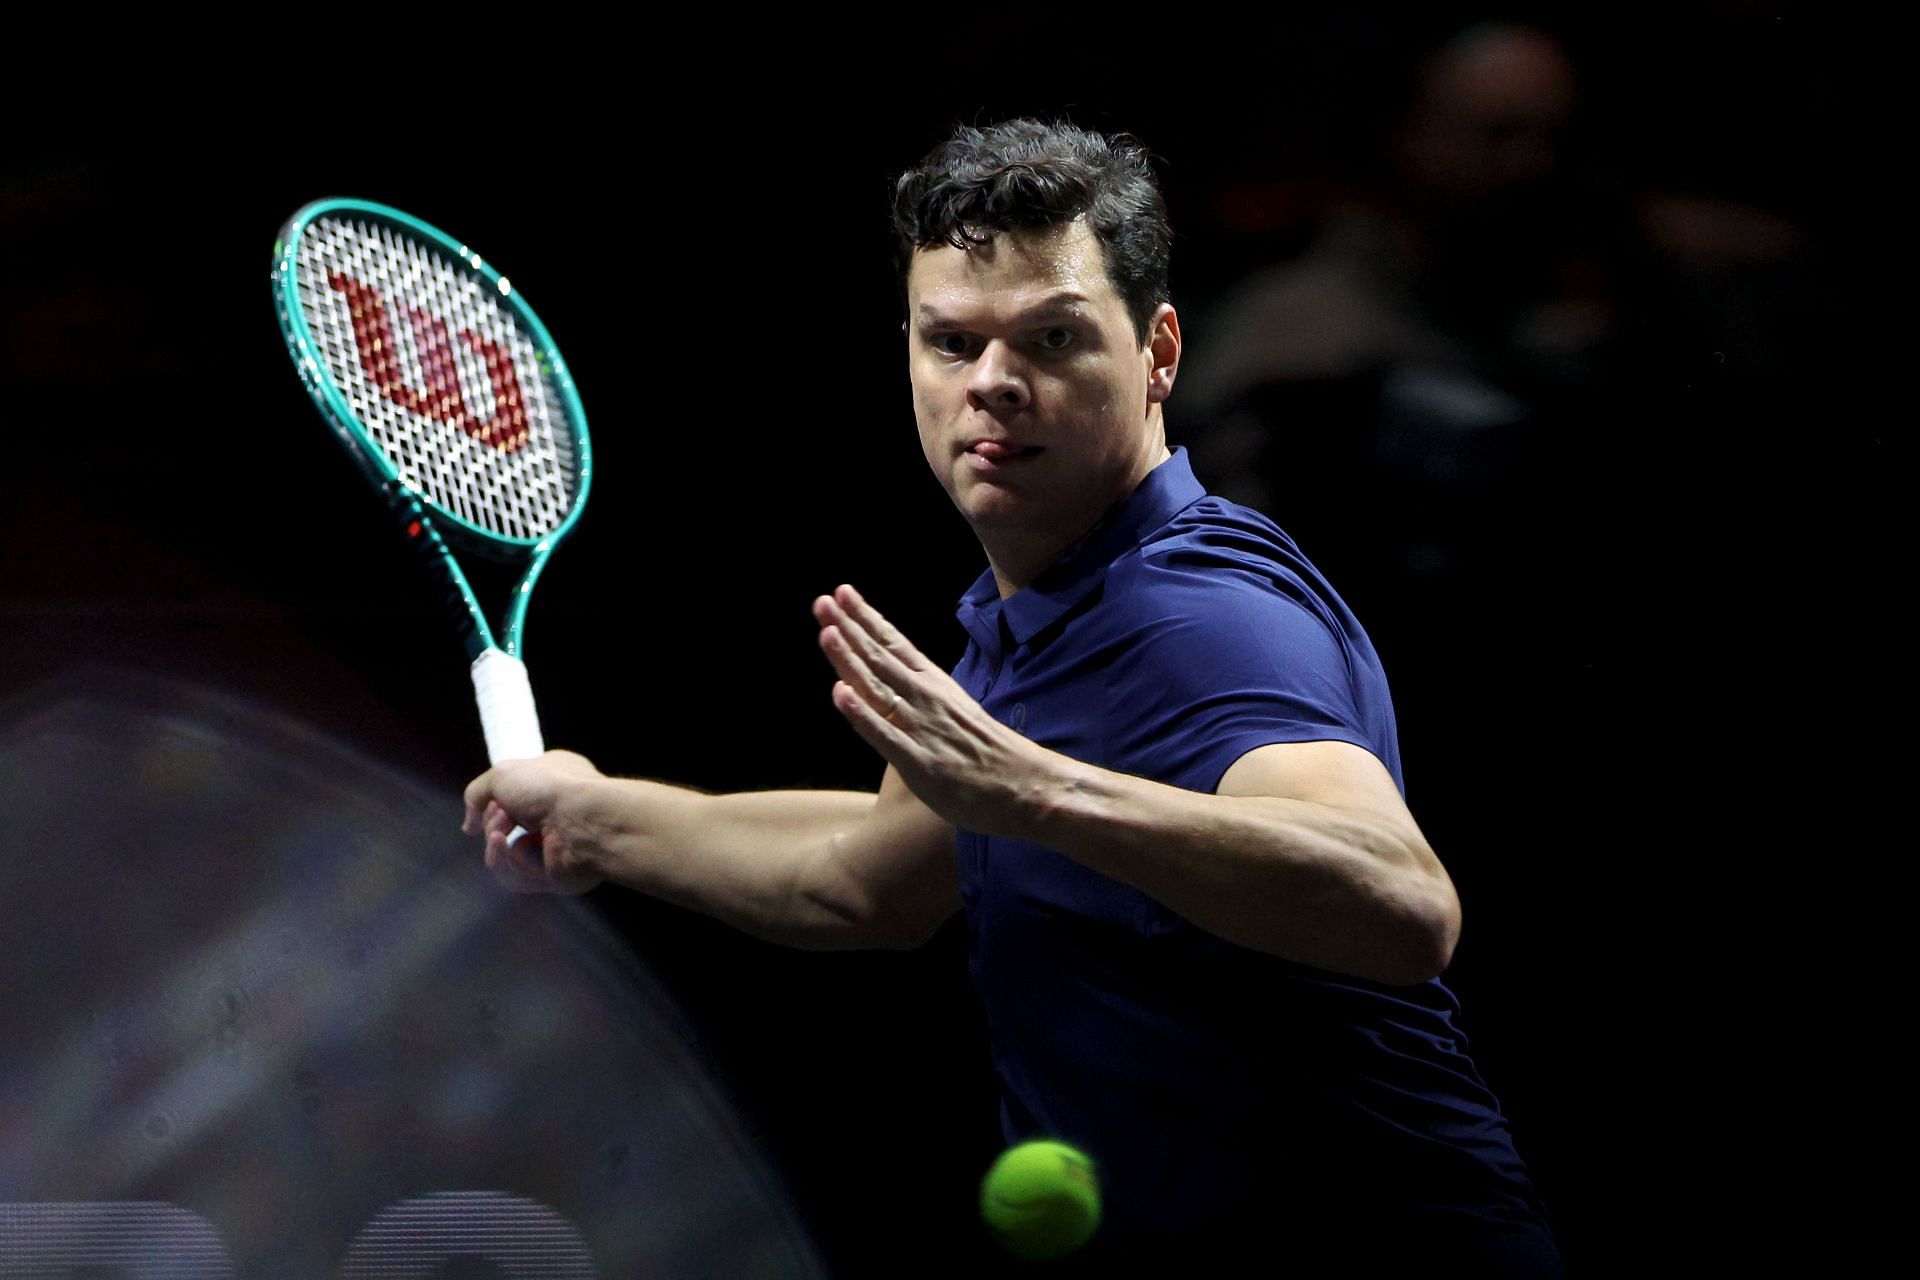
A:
(1621, 713)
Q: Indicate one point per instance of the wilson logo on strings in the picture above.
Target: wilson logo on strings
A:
(441, 399)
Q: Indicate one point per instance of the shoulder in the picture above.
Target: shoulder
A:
(1227, 641)
(1217, 560)
(1223, 637)
(1217, 594)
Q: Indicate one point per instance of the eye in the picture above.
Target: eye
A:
(950, 344)
(1056, 338)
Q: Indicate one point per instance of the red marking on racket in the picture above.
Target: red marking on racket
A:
(441, 400)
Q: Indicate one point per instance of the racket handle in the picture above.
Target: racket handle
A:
(505, 699)
(507, 716)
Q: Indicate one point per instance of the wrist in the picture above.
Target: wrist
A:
(1056, 792)
(624, 826)
(586, 814)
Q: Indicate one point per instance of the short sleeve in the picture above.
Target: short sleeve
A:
(1223, 657)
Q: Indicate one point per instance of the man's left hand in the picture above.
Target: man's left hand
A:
(963, 764)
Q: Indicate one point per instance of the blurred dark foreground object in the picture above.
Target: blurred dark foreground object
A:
(263, 1014)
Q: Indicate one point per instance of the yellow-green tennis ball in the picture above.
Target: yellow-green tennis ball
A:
(1041, 1199)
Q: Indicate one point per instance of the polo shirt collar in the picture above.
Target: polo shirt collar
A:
(1169, 489)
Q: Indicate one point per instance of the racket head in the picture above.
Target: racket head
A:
(435, 372)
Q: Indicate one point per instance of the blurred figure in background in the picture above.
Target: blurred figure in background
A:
(1504, 389)
(1379, 386)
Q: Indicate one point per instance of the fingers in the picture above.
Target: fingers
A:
(854, 655)
(854, 671)
(860, 656)
(478, 795)
(520, 862)
(528, 786)
(516, 864)
(860, 626)
(887, 736)
(887, 636)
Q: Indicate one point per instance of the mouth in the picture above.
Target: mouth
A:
(995, 455)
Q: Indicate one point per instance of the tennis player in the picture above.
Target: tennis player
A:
(1163, 783)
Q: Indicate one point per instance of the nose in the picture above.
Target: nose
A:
(997, 382)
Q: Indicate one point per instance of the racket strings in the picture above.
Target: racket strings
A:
(442, 376)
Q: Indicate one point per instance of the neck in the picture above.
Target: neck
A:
(1019, 556)
(1015, 567)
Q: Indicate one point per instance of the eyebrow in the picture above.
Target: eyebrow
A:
(1059, 306)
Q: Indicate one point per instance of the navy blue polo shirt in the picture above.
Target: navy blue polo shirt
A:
(1209, 1082)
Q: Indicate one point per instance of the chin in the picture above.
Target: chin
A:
(977, 506)
(1022, 516)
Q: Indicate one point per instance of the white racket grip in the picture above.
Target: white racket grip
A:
(505, 697)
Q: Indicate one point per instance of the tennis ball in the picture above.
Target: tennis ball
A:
(1041, 1199)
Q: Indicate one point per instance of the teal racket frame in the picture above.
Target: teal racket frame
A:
(421, 518)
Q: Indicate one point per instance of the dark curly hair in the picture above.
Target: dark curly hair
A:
(1030, 174)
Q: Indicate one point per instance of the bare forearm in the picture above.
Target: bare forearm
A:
(1316, 884)
(744, 859)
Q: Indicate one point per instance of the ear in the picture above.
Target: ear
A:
(1162, 353)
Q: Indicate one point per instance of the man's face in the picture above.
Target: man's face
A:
(1037, 405)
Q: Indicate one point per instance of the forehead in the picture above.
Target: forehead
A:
(1015, 271)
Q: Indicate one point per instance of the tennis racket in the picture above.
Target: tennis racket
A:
(446, 388)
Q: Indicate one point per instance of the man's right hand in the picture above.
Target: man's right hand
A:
(555, 854)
